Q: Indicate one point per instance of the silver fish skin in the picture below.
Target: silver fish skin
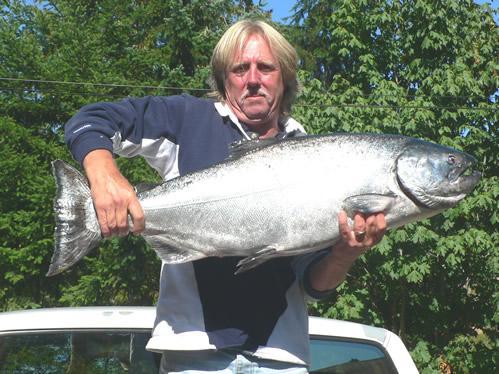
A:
(275, 198)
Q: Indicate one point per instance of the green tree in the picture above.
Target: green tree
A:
(426, 69)
(55, 57)
(420, 68)
(26, 220)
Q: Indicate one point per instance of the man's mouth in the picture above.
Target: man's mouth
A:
(254, 95)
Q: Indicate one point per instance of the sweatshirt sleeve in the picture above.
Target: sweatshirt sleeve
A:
(302, 265)
(147, 126)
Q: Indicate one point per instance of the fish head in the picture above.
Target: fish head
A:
(434, 176)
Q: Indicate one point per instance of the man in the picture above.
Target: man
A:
(207, 317)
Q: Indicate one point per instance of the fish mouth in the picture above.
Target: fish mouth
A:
(455, 190)
(464, 179)
(466, 183)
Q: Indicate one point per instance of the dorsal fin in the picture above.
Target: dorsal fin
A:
(243, 147)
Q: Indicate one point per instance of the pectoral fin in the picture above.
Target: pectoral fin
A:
(368, 203)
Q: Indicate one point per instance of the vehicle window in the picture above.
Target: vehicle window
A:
(124, 352)
(77, 352)
(348, 357)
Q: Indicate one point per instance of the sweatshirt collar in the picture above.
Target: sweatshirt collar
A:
(287, 124)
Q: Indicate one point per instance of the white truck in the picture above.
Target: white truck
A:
(112, 340)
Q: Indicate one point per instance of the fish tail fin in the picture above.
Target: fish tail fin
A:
(77, 230)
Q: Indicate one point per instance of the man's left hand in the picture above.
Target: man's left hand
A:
(366, 232)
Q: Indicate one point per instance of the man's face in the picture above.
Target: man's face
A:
(254, 87)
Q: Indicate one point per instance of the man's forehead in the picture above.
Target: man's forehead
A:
(254, 47)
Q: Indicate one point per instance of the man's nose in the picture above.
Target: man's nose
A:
(253, 76)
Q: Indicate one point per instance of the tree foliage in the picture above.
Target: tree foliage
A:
(421, 68)
(55, 57)
(428, 70)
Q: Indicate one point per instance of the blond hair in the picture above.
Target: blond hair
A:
(233, 40)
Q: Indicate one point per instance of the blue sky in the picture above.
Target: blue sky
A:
(282, 8)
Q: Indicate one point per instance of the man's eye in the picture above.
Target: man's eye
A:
(266, 67)
(239, 69)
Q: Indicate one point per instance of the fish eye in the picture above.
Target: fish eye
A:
(451, 160)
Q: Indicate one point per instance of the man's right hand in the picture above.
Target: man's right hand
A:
(114, 197)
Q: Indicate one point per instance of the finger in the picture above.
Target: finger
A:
(342, 218)
(121, 220)
(376, 227)
(371, 224)
(371, 230)
(381, 221)
(102, 219)
(137, 214)
(381, 227)
(111, 221)
(348, 234)
(345, 230)
(359, 227)
(359, 222)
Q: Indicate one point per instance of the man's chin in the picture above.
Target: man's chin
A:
(255, 115)
(256, 112)
(259, 118)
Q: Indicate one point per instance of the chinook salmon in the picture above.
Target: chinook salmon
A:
(274, 198)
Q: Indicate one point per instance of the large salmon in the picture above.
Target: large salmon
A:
(275, 198)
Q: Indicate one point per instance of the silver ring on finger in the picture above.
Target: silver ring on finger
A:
(360, 236)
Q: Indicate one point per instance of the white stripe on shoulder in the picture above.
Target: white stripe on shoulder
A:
(161, 153)
(291, 125)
